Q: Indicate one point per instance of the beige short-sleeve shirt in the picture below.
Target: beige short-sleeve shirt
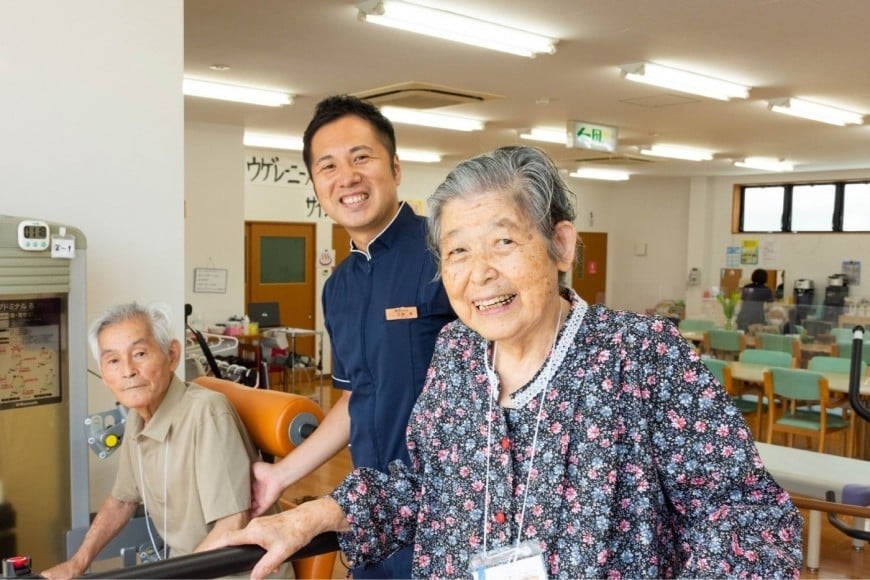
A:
(195, 458)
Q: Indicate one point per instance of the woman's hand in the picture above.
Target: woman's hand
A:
(284, 534)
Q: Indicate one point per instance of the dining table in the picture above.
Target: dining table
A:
(754, 373)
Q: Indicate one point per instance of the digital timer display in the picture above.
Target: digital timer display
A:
(35, 232)
(33, 235)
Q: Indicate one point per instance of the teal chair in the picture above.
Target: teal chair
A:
(720, 370)
(769, 358)
(696, 325)
(844, 350)
(790, 343)
(834, 364)
(724, 344)
(794, 388)
(841, 334)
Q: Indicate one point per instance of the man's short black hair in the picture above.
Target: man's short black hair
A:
(333, 108)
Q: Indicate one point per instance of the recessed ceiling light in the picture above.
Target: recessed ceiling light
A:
(765, 163)
(455, 27)
(678, 152)
(236, 93)
(436, 120)
(266, 141)
(816, 112)
(605, 174)
(546, 134)
(683, 81)
(219, 67)
(294, 143)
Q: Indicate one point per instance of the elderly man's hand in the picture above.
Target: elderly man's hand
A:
(68, 569)
(284, 534)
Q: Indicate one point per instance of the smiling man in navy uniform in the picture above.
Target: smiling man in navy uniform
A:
(383, 305)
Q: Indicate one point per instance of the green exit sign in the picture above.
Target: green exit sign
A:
(592, 136)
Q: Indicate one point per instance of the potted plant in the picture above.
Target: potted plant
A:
(729, 305)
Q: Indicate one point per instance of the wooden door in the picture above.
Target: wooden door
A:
(280, 260)
(589, 278)
(340, 243)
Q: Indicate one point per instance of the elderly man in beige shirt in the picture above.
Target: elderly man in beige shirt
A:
(185, 455)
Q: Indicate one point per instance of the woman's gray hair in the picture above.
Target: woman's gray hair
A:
(158, 315)
(526, 174)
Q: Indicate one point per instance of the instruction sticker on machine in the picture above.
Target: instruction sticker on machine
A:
(30, 350)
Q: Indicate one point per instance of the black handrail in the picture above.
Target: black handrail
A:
(855, 378)
(215, 563)
(855, 375)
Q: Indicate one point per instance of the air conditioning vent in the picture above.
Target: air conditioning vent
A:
(415, 95)
(614, 160)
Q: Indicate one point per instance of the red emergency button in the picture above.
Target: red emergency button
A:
(499, 517)
(18, 561)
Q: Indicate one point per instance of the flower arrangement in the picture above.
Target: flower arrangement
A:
(729, 304)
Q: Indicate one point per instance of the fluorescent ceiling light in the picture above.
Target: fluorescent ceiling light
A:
(418, 156)
(547, 135)
(455, 27)
(293, 143)
(224, 92)
(685, 82)
(436, 120)
(765, 163)
(606, 174)
(815, 112)
(265, 141)
(678, 152)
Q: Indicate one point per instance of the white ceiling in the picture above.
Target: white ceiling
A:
(813, 49)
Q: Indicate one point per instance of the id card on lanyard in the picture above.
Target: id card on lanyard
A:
(523, 561)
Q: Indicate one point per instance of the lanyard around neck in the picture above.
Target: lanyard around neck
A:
(493, 382)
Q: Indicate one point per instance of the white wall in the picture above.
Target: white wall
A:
(805, 255)
(650, 212)
(92, 137)
(215, 218)
(683, 222)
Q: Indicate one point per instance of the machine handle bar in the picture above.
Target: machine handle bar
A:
(215, 563)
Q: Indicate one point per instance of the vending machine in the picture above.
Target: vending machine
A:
(43, 383)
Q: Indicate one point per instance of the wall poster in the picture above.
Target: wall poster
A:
(749, 255)
(30, 351)
(852, 270)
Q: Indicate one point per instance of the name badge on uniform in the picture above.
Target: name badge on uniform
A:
(401, 313)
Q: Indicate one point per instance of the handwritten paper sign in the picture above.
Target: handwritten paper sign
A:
(210, 280)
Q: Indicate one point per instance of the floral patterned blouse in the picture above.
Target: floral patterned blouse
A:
(642, 467)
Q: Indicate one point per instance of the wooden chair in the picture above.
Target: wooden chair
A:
(277, 423)
(789, 343)
(724, 344)
(797, 387)
(720, 370)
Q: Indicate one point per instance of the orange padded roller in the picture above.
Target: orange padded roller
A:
(277, 422)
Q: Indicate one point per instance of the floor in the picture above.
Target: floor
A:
(838, 559)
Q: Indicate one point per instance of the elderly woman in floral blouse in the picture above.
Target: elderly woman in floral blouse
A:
(553, 437)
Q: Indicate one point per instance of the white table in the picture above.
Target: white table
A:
(754, 373)
(812, 474)
(314, 370)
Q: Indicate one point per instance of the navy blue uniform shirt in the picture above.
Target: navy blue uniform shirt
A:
(383, 361)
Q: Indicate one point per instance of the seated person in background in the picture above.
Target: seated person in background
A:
(753, 300)
(186, 455)
(573, 440)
